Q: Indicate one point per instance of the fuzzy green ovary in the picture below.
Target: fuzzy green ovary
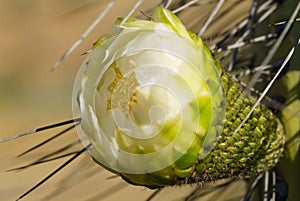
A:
(257, 146)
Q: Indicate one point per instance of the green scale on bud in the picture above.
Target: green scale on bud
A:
(158, 109)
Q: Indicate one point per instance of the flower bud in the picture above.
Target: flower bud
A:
(153, 106)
